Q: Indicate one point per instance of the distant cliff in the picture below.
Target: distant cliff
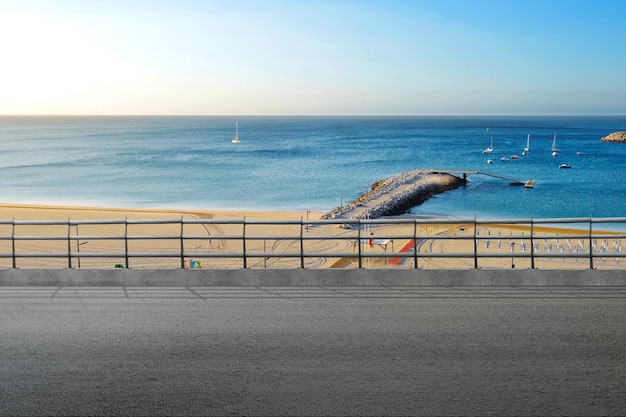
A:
(615, 137)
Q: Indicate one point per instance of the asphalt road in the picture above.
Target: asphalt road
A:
(312, 351)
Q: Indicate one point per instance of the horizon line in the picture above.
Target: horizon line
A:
(320, 115)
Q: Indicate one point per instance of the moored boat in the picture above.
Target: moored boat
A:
(236, 138)
(555, 151)
(527, 148)
(490, 148)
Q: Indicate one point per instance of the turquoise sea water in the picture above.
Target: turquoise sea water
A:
(311, 163)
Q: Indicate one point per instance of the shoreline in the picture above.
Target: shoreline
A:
(23, 211)
(20, 211)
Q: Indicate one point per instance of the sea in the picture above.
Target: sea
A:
(313, 163)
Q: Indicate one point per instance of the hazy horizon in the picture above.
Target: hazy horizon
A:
(313, 58)
(318, 115)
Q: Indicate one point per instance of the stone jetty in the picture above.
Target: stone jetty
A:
(615, 137)
(397, 195)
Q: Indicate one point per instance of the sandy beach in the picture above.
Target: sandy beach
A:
(49, 212)
(438, 237)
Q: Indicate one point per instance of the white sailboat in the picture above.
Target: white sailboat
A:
(236, 138)
(527, 148)
(555, 151)
(490, 148)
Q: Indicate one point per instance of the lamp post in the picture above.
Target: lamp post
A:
(78, 245)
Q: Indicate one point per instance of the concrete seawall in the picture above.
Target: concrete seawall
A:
(310, 277)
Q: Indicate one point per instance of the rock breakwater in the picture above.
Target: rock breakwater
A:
(615, 137)
(397, 195)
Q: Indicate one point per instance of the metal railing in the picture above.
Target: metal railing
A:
(407, 242)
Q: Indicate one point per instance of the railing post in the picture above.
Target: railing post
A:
(13, 243)
(243, 241)
(415, 243)
(69, 243)
(532, 244)
(512, 254)
(475, 245)
(359, 245)
(182, 244)
(126, 260)
(590, 243)
(301, 243)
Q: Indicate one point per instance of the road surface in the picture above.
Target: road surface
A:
(312, 351)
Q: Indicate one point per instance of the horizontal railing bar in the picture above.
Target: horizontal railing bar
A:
(537, 234)
(537, 238)
(259, 222)
(381, 221)
(107, 237)
(402, 255)
(68, 237)
(17, 237)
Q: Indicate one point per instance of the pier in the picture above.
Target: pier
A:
(512, 181)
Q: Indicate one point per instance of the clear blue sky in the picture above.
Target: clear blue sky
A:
(317, 57)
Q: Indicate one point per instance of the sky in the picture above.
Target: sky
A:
(312, 57)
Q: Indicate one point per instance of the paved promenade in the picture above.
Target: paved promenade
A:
(312, 351)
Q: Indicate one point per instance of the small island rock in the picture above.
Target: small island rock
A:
(615, 137)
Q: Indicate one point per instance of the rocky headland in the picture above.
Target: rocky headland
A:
(615, 137)
(396, 195)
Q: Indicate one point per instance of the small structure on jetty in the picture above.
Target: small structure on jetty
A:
(397, 195)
